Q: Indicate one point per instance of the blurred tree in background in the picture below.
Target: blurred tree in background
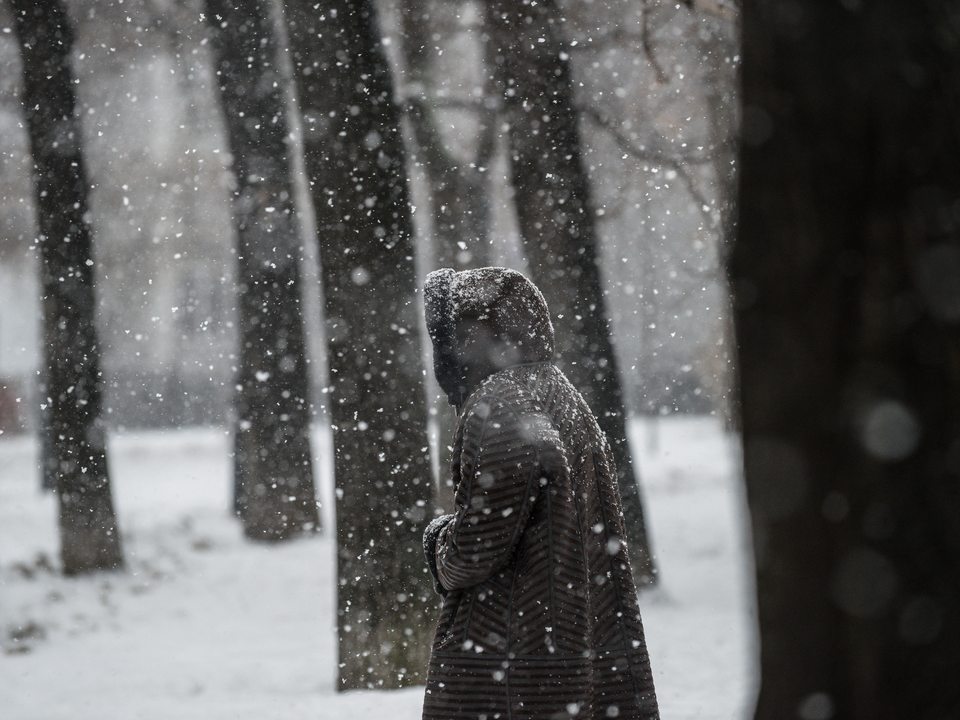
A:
(846, 277)
(458, 187)
(273, 471)
(355, 163)
(74, 448)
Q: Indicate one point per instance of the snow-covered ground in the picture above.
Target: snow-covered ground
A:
(205, 625)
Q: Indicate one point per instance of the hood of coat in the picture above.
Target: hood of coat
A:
(481, 321)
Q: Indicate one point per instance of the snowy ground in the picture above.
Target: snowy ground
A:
(205, 625)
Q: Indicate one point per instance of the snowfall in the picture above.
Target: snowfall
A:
(204, 624)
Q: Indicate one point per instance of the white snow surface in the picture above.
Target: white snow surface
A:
(203, 624)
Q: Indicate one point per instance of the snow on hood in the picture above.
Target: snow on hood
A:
(482, 321)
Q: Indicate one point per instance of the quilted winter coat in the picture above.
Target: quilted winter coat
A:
(540, 616)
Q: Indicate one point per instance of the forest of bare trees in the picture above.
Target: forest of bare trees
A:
(485, 111)
(221, 212)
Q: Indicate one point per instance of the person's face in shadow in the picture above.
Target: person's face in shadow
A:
(481, 352)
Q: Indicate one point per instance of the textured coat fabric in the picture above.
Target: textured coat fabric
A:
(540, 616)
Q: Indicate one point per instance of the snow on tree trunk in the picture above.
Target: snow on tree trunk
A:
(846, 275)
(273, 472)
(355, 165)
(74, 450)
(560, 240)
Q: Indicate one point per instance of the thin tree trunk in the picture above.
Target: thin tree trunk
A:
(846, 273)
(273, 472)
(74, 433)
(459, 192)
(459, 195)
(355, 165)
(552, 197)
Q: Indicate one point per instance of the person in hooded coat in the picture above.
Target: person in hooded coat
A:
(540, 616)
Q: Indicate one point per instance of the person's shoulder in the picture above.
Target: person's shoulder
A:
(502, 392)
(506, 405)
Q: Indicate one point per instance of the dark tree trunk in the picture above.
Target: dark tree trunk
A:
(459, 191)
(74, 447)
(552, 198)
(846, 274)
(355, 165)
(273, 472)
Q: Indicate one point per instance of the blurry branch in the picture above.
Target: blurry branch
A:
(711, 272)
(643, 152)
(675, 161)
(723, 9)
(428, 144)
(624, 39)
(726, 10)
(648, 45)
(703, 204)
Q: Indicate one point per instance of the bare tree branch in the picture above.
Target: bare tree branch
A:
(676, 162)
(648, 45)
(650, 152)
(723, 9)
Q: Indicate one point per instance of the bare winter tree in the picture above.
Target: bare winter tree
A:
(552, 197)
(846, 273)
(74, 451)
(355, 166)
(273, 473)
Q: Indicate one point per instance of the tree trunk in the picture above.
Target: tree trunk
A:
(459, 191)
(459, 194)
(846, 275)
(556, 222)
(273, 472)
(355, 165)
(75, 436)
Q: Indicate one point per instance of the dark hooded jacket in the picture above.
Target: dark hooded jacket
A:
(540, 616)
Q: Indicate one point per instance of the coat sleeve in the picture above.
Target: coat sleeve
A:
(499, 480)
(430, 536)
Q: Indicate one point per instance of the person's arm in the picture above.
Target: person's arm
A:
(430, 536)
(502, 472)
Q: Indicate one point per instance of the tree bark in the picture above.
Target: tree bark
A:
(459, 195)
(552, 198)
(273, 471)
(846, 274)
(459, 191)
(74, 447)
(355, 165)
